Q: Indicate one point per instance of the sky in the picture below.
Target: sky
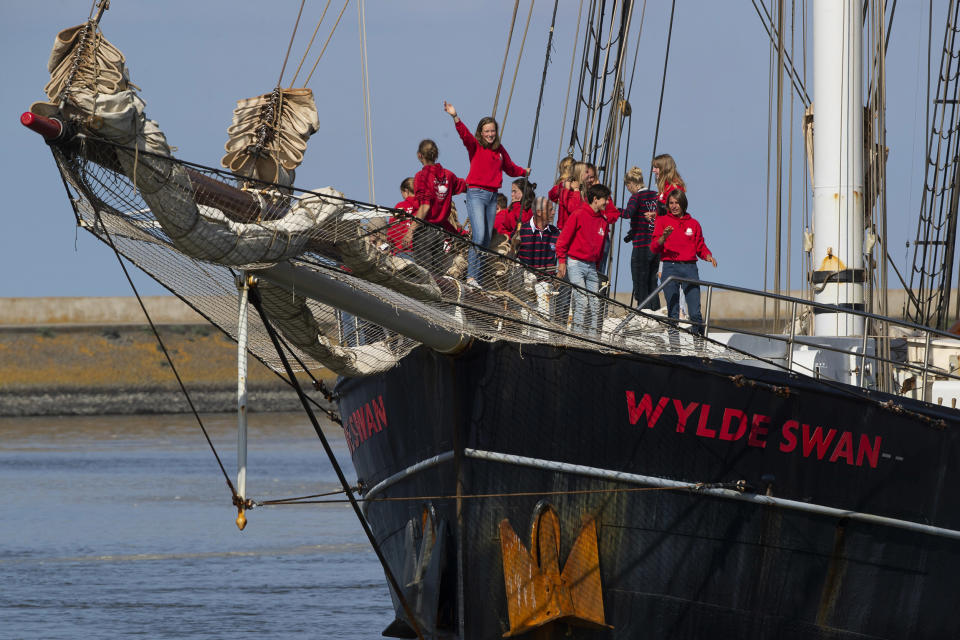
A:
(194, 60)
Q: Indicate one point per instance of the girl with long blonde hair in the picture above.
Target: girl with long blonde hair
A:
(667, 176)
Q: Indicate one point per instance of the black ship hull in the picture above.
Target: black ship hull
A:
(727, 501)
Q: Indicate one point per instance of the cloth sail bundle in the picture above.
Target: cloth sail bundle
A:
(84, 64)
(269, 134)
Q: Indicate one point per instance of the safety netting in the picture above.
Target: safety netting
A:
(195, 230)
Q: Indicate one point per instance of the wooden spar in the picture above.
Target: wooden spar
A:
(50, 128)
(238, 205)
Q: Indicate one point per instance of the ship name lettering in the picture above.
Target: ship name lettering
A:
(817, 442)
(364, 421)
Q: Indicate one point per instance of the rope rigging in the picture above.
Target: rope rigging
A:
(166, 353)
(566, 100)
(503, 67)
(543, 82)
(316, 29)
(286, 57)
(516, 69)
(323, 50)
(663, 82)
(347, 488)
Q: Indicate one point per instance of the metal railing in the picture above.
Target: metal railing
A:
(875, 327)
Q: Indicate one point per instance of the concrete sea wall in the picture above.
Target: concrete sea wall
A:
(76, 356)
(69, 356)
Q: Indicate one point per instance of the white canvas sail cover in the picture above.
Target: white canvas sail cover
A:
(269, 134)
(83, 65)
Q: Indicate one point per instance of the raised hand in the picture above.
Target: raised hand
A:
(449, 108)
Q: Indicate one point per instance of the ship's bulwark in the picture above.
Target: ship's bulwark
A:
(673, 563)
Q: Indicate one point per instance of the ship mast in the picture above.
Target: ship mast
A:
(839, 275)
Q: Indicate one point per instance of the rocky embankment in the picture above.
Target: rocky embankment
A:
(83, 356)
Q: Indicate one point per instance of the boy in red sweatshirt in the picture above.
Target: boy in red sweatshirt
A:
(678, 240)
(579, 249)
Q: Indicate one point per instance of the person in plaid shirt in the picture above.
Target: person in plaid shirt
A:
(538, 239)
(641, 211)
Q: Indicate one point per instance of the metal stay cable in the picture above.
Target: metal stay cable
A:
(317, 383)
(516, 69)
(255, 300)
(166, 353)
(543, 83)
(503, 67)
(736, 485)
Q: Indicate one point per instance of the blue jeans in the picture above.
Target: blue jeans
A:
(584, 274)
(691, 291)
(481, 210)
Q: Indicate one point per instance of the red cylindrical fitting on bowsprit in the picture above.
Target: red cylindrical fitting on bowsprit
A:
(49, 128)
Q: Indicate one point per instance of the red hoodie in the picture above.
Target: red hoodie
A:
(685, 244)
(398, 228)
(571, 198)
(436, 186)
(558, 194)
(506, 220)
(583, 235)
(487, 166)
(667, 188)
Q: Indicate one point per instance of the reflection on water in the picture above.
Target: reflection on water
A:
(122, 525)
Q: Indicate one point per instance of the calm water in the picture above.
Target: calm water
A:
(122, 526)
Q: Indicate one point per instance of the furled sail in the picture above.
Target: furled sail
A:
(269, 134)
(82, 66)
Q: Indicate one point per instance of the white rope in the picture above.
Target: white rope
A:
(367, 115)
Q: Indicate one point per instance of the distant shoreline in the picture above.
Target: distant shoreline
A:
(58, 357)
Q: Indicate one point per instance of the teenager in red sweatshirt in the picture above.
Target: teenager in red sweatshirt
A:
(397, 231)
(488, 162)
(667, 177)
(564, 175)
(579, 248)
(522, 195)
(434, 188)
(678, 240)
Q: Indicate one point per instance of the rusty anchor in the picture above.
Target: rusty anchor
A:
(537, 591)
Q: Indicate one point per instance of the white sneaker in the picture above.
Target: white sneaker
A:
(472, 282)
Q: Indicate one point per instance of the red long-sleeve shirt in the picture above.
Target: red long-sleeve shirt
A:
(685, 244)
(667, 188)
(487, 166)
(557, 194)
(436, 186)
(583, 235)
(506, 220)
(573, 201)
(398, 228)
